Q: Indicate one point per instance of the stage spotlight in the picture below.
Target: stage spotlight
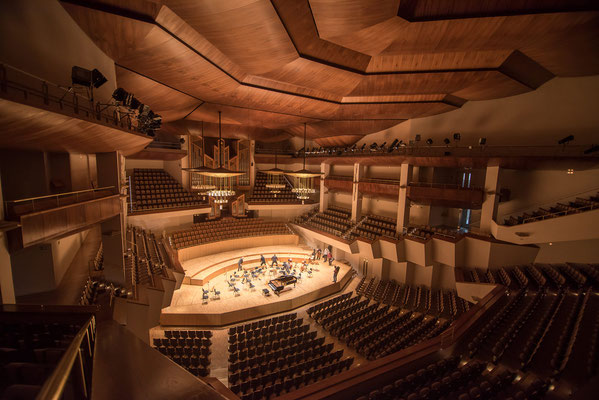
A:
(592, 149)
(565, 140)
(457, 137)
(482, 141)
(128, 100)
(429, 141)
(446, 141)
(85, 77)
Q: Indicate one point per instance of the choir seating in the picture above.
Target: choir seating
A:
(155, 189)
(226, 228)
(262, 194)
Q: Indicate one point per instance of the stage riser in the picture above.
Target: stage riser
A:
(202, 250)
(277, 305)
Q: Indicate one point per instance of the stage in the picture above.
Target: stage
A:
(188, 308)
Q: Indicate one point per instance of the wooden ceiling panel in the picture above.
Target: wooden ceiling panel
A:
(340, 17)
(427, 10)
(510, 32)
(418, 83)
(340, 141)
(272, 65)
(315, 75)
(438, 61)
(236, 27)
(31, 128)
(246, 116)
(184, 127)
(167, 102)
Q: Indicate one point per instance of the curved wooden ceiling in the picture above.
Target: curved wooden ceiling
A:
(347, 68)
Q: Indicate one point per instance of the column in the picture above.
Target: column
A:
(491, 201)
(7, 288)
(403, 203)
(356, 197)
(252, 163)
(325, 169)
(113, 237)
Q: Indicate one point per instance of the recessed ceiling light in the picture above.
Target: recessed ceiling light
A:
(570, 171)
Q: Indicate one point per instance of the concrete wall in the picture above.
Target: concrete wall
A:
(63, 253)
(32, 270)
(582, 251)
(531, 189)
(540, 117)
(35, 28)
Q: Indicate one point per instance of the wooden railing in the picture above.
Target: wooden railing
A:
(16, 208)
(572, 210)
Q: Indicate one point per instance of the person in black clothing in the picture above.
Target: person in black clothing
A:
(262, 260)
(274, 260)
(240, 264)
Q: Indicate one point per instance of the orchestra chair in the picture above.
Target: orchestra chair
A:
(266, 292)
(205, 296)
(216, 294)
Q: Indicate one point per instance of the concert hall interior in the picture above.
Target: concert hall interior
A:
(299, 199)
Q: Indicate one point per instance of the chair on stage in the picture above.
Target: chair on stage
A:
(216, 294)
(266, 292)
(231, 285)
(251, 285)
(236, 290)
(205, 296)
(310, 273)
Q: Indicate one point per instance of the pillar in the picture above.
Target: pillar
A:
(356, 197)
(403, 203)
(7, 289)
(113, 238)
(252, 163)
(325, 170)
(491, 200)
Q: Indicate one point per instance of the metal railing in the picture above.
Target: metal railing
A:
(572, 210)
(76, 364)
(443, 186)
(40, 203)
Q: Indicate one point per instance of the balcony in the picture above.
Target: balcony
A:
(51, 217)
(446, 195)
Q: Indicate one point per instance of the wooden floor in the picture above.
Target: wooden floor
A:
(188, 308)
(200, 267)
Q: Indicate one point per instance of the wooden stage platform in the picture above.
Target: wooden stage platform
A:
(188, 308)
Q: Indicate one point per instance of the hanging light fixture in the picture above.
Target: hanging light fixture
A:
(206, 184)
(221, 177)
(274, 178)
(304, 183)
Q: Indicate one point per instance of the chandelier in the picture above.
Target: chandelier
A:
(221, 177)
(304, 179)
(274, 179)
(205, 184)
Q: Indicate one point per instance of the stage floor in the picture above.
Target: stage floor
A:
(199, 268)
(187, 307)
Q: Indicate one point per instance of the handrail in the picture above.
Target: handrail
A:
(60, 194)
(572, 210)
(56, 382)
(443, 185)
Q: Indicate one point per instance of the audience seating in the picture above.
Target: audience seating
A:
(155, 189)
(226, 228)
(262, 194)
(558, 210)
(278, 355)
(31, 345)
(188, 348)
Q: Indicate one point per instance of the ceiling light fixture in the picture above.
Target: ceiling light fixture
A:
(274, 178)
(304, 184)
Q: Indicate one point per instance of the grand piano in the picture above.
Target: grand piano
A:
(277, 285)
